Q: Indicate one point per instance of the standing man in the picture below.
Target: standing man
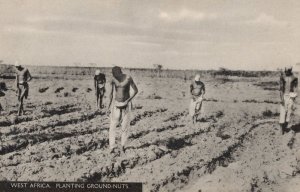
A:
(121, 105)
(3, 88)
(22, 78)
(99, 82)
(288, 93)
(197, 90)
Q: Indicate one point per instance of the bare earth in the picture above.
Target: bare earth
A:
(236, 146)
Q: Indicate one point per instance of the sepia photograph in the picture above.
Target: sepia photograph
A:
(152, 96)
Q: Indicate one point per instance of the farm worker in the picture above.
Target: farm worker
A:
(22, 78)
(120, 106)
(197, 89)
(288, 93)
(99, 82)
(3, 88)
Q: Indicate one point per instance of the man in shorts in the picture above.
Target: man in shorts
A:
(120, 102)
(99, 82)
(288, 93)
(22, 78)
(197, 90)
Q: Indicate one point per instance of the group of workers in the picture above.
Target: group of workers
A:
(120, 98)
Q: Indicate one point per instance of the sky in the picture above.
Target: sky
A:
(185, 34)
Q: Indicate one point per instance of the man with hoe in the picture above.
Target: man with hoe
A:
(99, 83)
(22, 78)
(288, 93)
(120, 102)
(197, 90)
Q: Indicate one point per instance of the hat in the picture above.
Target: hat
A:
(197, 77)
(97, 72)
(289, 67)
(17, 64)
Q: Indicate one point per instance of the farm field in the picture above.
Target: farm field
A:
(235, 146)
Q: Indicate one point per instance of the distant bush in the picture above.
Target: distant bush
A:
(59, 89)
(250, 101)
(269, 113)
(48, 103)
(272, 102)
(219, 114)
(210, 99)
(240, 73)
(269, 85)
(154, 96)
(64, 71)
(43, 89)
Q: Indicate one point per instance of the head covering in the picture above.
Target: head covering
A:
(288, 68)
(197, 77)
(97, 72)
(17, 64)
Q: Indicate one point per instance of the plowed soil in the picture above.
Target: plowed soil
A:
(235, 146)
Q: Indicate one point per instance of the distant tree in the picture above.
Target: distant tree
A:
(222, 69)
(158, 69)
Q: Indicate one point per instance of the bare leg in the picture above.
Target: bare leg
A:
(101, 102)
(101, 97)
(97, 99)
(20, 107)
(282, 128)
(286, 126)
(21, 99)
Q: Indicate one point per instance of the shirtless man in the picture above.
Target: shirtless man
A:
(22, 78)
(197, 90)
(121, 105)
(99, 82)
(3, 89)
(288, 93)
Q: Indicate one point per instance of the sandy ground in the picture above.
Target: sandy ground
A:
(235, 146)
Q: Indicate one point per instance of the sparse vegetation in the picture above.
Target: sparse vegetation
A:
(59, 89)
(269, 113)
(153, 96)
(43, 89)
(268, 85)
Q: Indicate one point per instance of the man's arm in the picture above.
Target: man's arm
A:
(296, 85)
(17, 80)
(95, 84)
(135, 89)
(111, 94)
(191, 88)
(29, 77)
(203, 90)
